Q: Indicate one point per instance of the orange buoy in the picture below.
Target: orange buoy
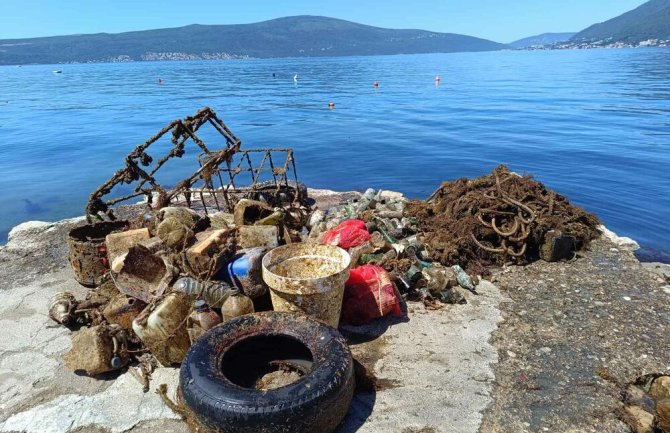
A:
(375, 84)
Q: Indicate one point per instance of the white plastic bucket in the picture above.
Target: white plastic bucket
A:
(307, 278)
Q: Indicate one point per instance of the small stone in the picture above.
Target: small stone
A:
(640, 420)
(666, 289)
(660, 388)
(626, 298)
(451, 295)
(511, 354)
(663, 414)
(637, 397)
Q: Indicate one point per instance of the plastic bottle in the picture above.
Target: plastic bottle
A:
(214, 293)
(464, 280)
(201, 319)
(161, 328)
(245, 272)
(236, 305)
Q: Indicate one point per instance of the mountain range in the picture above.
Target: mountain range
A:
(543, 39)
(648, 21)
(313, 36)
(298, 36)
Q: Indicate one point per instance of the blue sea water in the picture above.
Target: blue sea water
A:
(593, 125)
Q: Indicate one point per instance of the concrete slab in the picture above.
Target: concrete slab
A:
(437, 367)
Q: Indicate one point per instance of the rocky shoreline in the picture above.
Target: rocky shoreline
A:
(544, 347)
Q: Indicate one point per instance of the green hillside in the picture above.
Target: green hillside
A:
(284, 37)
(649, 21)
(543, 39)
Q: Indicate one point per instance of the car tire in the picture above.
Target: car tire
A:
(219, 373)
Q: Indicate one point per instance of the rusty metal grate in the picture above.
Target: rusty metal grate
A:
(223, 176)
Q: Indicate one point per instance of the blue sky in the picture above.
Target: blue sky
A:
(499, 20)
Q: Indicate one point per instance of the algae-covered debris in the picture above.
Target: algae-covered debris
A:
(498, 218)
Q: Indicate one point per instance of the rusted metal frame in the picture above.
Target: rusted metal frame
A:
(167, 157)
(180, 145)
(127, 197)
(133, 171)
(224, 191)
(286, 168)
(251, 168)
(156, 137)
(225, 128)
(272, 168)
(258, 171)
(196, 139)
(204, 205)
(146, 177)
(210, 183)
(217, 158)
(231, 140)
(295, 172)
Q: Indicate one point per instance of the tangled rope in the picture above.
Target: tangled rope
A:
(497, 218)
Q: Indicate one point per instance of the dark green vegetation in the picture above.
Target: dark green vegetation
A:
(300, 36)
(543, 39)
(649, 21)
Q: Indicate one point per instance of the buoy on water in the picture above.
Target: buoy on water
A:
(331, 105)
(437, 81)
(375, 84)
(160, 81)
(295, 78)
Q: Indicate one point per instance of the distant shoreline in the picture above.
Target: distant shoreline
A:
(248, 58)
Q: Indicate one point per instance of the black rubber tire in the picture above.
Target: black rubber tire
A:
(317, 402)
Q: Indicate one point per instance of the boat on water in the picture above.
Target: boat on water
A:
(57, 71)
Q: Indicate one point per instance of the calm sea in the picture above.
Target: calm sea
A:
(594, 125)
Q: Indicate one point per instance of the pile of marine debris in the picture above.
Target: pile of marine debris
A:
(501, 218)
(191, 255)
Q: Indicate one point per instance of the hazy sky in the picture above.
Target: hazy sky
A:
(499, 20)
